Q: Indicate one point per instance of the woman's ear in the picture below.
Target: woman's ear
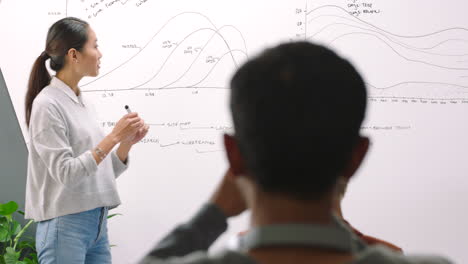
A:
(72, 55)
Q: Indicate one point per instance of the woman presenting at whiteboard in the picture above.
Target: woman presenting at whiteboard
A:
(72, 166)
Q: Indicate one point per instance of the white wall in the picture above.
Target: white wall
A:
(412, 188)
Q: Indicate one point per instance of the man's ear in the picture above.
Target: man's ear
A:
(357, 156)
(236, 162)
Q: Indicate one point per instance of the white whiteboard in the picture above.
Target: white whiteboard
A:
(171, 62)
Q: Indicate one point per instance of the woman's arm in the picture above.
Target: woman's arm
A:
(120, 156)
(126, 145)
(124, 131)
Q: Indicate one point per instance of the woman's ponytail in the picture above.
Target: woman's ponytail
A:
(63, 35)
(38, 79)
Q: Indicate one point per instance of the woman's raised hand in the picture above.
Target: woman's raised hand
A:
(127, 127)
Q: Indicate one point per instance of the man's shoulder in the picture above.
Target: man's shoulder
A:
(372, 255)
(223, 257)
(384, 255)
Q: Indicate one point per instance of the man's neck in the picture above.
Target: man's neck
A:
(269, 209)
(273, 210)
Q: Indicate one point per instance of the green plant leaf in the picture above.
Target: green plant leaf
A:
(21, 232)
(33, 257)
(8, 208)
(30, 259)
(112, 215)
(11, 256)
(4, 234)
(3, 220)
(20, 212)
(26, 244)
(16, 228)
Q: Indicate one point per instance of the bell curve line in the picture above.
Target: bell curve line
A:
(170, 55)
(156, 34)
(184, 13)
(399, 54)
(386, 31)
(212, 68)
(409, 46)
(416, 82)
(176, 47)
(199, 53)
(445, 41)
(390, 39)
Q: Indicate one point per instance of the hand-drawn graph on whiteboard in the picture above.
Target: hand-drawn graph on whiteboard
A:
(167, 73)
(179, 55)
(397, 64)
(171, 61)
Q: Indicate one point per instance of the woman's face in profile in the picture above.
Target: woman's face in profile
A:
(89, 57)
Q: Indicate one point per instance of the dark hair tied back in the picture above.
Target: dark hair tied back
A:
(44, 55)
(65, 34)
(57, 62)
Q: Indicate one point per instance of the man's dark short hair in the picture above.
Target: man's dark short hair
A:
(297, 110)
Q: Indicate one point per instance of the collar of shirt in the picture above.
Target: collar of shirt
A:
(57, 83)
(334, 236)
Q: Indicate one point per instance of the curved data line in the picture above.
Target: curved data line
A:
(422, 48)
(208, 19)
(209, 72)
(390, 39)
(199, 54)
(415, 82)
(176, 47)
(398, 53)
(386, 31)
(419, 49)
(445, 41)
(156, 34)
(212, 68)
(147, 43)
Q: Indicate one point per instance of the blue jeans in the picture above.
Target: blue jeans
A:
(74, 239)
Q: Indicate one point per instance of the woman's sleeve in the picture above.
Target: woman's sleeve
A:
(50, 143)
(118, 165)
